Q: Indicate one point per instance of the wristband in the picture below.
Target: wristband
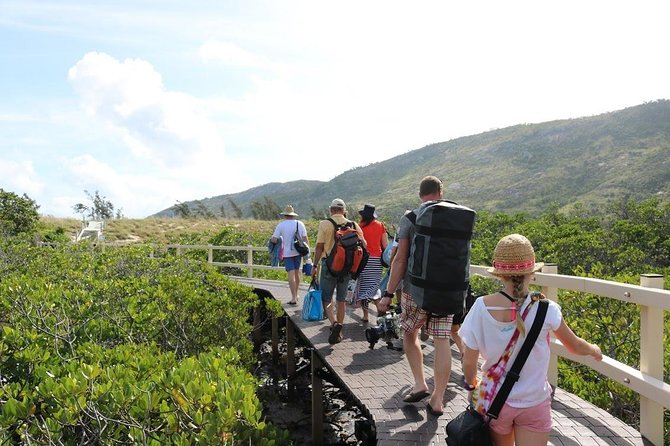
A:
(387, 294)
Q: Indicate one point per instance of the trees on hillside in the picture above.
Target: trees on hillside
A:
(265, 209)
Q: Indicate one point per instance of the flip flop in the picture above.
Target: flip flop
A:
(292, 303)
(432, 411)
(415, 397)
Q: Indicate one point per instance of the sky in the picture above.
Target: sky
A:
(154, 102)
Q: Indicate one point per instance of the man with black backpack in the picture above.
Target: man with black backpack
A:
(431, 263)
(339, 255)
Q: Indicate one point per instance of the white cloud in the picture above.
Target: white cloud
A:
(20, 177)
(169, 128)
(230, 54)
(136, 194)
(176, 149)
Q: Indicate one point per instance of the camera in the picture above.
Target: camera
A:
(387, 328)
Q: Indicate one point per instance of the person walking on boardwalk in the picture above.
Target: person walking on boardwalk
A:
(367, 284)
(287, 230)
(413, 317)
(329, 283)
(488, 330)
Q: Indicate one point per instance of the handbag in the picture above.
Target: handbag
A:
(312, 306)
(469, 428)
(299, 243)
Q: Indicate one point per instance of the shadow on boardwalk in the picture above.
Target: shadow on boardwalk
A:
(379, 378)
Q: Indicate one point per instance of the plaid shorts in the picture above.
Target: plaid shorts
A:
(413, 318)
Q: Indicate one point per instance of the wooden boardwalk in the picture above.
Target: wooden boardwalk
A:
(380, 378)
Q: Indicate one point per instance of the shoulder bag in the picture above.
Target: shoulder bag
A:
(299, 243)
(469, 428)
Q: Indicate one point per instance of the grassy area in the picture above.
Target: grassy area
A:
(160, 230)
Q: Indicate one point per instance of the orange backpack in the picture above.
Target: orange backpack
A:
(348, 255)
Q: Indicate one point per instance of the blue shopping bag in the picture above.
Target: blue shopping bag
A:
(312, 307)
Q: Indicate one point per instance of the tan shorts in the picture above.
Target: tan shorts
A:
(413, 318)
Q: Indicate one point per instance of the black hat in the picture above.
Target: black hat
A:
(368, 212)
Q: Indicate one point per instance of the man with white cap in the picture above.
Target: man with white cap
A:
(287, 229)
(325, 241)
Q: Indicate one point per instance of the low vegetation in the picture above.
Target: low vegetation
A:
(117, 347)
(114, 345)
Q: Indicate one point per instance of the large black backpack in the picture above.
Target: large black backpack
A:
(439, 259)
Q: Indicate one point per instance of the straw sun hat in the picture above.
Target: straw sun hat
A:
(289, 211)
(514, 256)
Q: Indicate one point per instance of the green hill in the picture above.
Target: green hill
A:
(527, 167)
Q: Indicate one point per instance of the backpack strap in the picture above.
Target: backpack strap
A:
(412, 217)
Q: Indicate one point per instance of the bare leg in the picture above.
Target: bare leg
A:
(504, 440)
(529, 438)
(294, 283)
(441, 372)
(328, 308)
(412, 348)
(341, 308)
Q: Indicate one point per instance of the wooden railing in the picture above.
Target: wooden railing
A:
(649, 295)
(249, 265)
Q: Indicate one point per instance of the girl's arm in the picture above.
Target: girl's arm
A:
(575, 344)
(470, 358)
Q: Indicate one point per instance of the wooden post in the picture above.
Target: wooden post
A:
(552, 294)
(210, 254)
(290, 354)
(317, 401)
(275, 340)
(651, 361)
(250, 262)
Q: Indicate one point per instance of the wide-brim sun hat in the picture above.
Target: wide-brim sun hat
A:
(368, 211)
(288, 211)
(514, 256)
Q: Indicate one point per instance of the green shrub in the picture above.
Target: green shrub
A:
(116, 347)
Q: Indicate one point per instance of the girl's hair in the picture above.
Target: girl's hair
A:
(519, 296)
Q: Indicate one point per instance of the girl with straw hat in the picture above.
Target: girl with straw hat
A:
(525, 418)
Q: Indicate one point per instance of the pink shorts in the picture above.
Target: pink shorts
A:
(534, 419)
(413, 318)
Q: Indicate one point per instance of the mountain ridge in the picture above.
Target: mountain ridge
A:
(522, 168)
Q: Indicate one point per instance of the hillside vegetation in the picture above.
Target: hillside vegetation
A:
(528, 167)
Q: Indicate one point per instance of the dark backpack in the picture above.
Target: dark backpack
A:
(348, 255)
(439, 259)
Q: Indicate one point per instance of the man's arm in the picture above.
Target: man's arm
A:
(318, 251)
